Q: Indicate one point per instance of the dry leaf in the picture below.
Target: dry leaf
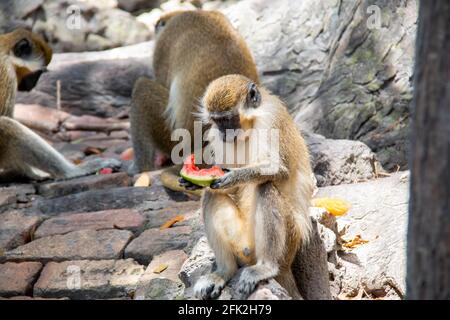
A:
(143, 180)
(336, 207)
(171, 222)
(356, 241)
(160, 268)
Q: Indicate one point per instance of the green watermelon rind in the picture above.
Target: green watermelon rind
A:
(202, 181)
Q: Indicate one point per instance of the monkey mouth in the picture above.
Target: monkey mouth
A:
(30, 80)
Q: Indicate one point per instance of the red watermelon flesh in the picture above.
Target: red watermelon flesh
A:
(200, 177)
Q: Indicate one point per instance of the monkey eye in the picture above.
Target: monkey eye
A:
(253, 97)
(22, 48)
(159, 25)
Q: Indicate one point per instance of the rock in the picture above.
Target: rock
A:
(11, 194)
(154, 197)
(18, 278)
(378, 214)
(82, 93)
(77, 245)
(72, 186)
(16, 229)
(155, 241)
(110, 219)
(188, 209)
(68, 24)
(134, 5)
(78, 73)
(165, 285)
(89, 279)
(40, 118)
(340, 74)
(200, 262)
(340, 161)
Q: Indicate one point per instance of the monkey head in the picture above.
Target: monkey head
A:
(231, 102)
(162, 21)
(29, 55)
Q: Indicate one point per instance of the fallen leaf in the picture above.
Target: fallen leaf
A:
(128, 154)
(106, 171)
(143, 180)
(160, 268)
(77, 161)
(356, 241)
(171, 222)
(336, 207)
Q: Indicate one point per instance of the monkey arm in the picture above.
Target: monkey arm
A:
(259, 174)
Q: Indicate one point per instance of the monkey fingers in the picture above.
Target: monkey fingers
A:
(188, 185)
(227, 181)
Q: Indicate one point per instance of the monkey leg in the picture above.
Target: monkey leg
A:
(148, 126)
(217, 207)
(26, 154)
(270, 237)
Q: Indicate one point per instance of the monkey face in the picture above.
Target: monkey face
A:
(29, 55)
(229, 104)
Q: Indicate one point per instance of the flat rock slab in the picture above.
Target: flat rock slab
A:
(16, 228)
(10, 195)
(89, 279)
(188, 209)
(127, 219)
(17, 279)
(379, 214)
(160, 280)
(93, 182)
(77, 245)
(155, 241)
(112, 198)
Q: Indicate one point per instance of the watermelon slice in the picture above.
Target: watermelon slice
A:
(199, 177)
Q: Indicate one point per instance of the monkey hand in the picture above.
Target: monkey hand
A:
(229, 180)
(188, 185)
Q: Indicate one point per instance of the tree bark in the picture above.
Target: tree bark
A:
(428, 269)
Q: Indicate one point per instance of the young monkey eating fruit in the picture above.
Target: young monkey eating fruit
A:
(256, 215)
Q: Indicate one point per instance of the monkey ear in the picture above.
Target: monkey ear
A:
(253, 96)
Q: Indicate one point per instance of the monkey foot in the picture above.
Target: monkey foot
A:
(209, 287)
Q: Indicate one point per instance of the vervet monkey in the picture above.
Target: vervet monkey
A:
(256, 215)
(23, 154)
(192, 49)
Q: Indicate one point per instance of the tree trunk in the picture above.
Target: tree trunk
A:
(428, 270)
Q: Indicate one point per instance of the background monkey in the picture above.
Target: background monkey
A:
(23, 58)
(254, 216)
(192, 49)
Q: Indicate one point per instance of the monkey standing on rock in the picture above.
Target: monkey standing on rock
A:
(23, 154)
(257, 214)
(192, 49)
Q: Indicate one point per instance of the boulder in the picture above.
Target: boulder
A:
(341, 73)
(341, 161)
(379, 215)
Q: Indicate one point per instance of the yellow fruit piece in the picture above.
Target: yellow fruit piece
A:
(336, 207)
(143, 180)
